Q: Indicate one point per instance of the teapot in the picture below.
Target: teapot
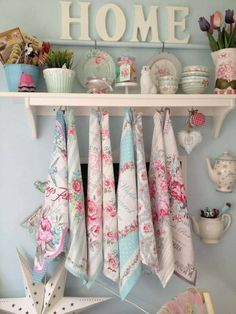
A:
(224, 172)
(210, 230)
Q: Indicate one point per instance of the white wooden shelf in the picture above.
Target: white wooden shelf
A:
(43, 104)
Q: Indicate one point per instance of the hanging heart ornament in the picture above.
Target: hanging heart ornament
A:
(188, 140)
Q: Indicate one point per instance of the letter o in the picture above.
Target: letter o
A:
(101, 22)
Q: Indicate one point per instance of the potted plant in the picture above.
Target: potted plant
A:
(58, 75)
(221, 33)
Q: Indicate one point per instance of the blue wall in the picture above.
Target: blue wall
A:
(24, 160)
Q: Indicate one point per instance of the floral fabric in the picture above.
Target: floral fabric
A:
(54, 221)
(94, 199)
(160, 204)
(129, 251)
(189, 302)
(110, 228)
(147, 243)
(180, 222)
(76, 259)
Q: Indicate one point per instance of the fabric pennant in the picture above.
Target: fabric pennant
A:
(180, 222)
(110, 228)
(76, 260)
(94, 199)
(160, 204)
(129, 252)
(54, 222)
(148, 251)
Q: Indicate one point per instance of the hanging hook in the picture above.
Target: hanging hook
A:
(95, 44)
(163, 47)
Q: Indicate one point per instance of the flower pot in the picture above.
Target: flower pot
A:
(210, 230)
(13, 74)
(225, 70)
(59, 80)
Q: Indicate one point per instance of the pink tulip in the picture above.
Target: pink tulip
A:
(217, 19)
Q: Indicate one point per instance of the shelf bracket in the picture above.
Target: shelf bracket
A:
(219, 116)
(31, 112)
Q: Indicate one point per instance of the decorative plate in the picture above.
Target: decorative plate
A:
(96, 64)
(164, 64)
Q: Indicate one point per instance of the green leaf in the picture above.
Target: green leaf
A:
(213, 44)
(232, 38)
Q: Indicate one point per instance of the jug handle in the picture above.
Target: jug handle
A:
(227, 221)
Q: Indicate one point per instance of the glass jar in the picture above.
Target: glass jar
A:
(126, 70)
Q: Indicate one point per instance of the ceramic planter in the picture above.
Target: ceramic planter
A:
(59, 80)
(210, 230)
(225, 70)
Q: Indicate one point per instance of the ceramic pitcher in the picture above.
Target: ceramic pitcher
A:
(225, 70)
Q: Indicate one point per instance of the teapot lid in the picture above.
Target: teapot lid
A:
(227, 156)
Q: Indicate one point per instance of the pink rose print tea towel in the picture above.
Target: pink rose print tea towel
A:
(180, 222)
(110, 228)
(54, 220)
(160, 204)
(147, 242)
(129, 252)
(94, 199)
(76, 259)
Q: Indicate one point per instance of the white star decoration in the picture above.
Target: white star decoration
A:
(46, 298)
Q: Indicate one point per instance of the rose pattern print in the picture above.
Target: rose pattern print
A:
(110, 227)
(76, 259)
(148, 252)
(160, 204)
(54, 223)
(94, 199)
(127, 210)
(180, 222)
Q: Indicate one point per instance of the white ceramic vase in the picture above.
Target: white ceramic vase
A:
(59, 80)
(225, 70)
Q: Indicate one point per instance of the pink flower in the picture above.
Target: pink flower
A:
(108, 184)
(216, 19)
(44, 235)
(111, 210)
(113, 262)
(152, 188)
(111, 235)
(107, 159)
(155, 217)
(71, 131)
(147, 227)
(95, 230)
(164, 211)
(93, 210)
(76, 185)
(178, 191)
(143, 175)
(105, 133)
(94, 160)
(79, 207)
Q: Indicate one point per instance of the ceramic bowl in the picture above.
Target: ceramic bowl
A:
(199, 68)
(194, 74)
(194, 88)
(200, 79)
(168, 88)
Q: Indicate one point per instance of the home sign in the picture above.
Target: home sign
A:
(143, 26)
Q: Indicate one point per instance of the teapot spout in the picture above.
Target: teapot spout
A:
(195, 225)
(211, 172)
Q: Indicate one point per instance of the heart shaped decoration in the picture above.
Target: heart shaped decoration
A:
(188, 140)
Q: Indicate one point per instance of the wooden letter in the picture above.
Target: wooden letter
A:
(143, 26)
(120, 22)
(83, 20)
(173, 24)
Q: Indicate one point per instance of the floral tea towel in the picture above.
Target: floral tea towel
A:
(53, 225)
(180, 222)
(147, 242)
(94, 200)
(129, 251)
(160, 204)
(76, 259)
(110, 228)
